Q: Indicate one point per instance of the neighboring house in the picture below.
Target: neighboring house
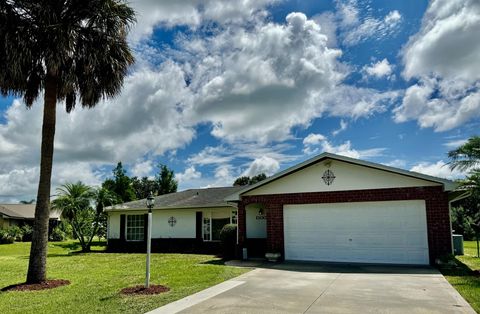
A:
(21, 214)
(328, 208)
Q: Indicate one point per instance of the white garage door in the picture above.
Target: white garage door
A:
(367, 232)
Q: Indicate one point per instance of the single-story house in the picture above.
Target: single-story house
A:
(22, 214)
(329, 208)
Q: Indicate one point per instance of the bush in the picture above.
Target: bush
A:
(228, 237)
(15, 232)
(27, 231)
(57, 235)
(6, 237)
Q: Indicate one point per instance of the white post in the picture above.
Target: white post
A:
(149, 247)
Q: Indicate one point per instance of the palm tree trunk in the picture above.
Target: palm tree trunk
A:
(37, 267)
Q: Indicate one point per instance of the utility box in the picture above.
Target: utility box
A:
(457, 244)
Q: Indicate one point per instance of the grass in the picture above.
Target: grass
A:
(462, 276)
(96, 279)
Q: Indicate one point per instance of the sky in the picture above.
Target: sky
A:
(222, 89)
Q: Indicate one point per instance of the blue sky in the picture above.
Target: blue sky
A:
(222, 89)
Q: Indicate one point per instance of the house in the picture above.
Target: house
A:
(329, 208)
(21, 214)
(187, 221)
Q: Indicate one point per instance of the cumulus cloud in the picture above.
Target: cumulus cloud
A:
(272, 70)
(192, 13)
(142, 168)
(263, 164)
(437, 169)
(189, 174)
(317, 143)
(379, 69)
(443, 57)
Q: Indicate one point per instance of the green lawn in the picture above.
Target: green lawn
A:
(462, 277)
(96, 279)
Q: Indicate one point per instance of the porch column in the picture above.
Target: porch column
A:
(275, 228)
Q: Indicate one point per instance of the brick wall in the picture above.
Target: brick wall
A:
(436, 202)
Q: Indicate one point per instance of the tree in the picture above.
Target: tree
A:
(27, 202)
(65, 50)
(166, 180)
(467, 215)
(102, 198)
(121, 185)
(74, 201)
(259, 177)
(144, 186)
(241, 181)
(245, 180)
(467, 155)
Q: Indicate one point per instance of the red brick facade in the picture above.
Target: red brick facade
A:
(436, 202)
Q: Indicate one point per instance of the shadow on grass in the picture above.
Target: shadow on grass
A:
(218, 262)
(458, 269)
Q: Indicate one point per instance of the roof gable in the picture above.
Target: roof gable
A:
(350, 174)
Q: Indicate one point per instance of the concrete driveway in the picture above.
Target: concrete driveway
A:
(313, 288)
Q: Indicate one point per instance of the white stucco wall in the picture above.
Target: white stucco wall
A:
(185, 226)
(347, 177)
(256, 228)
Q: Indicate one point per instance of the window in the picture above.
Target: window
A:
(214, 221)
(206, 229)
(135, 227)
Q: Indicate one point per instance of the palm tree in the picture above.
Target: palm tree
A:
(466, 156)
(73, 200)
(69, 50)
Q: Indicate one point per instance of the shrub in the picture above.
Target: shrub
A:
(57, 235)
(228, 237)
(27, 231)
(15, 232)
(5, 237)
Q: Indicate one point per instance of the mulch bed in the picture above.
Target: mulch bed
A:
(49, 284)
(141, 290)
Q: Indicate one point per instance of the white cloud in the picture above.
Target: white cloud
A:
(192, 13)
(397, 163)
(188, 175)
(263, 164)
(379, 69)
(372, 28)
(438, 169)
(317, 143)
(343, 127)
(444, 57)
(454, 144)
(313, 139)
(142, 168)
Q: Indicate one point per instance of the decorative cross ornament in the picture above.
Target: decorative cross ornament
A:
(328, 177)
(172, 221)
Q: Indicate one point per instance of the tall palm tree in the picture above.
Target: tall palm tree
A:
(467, 155)
(70, 50)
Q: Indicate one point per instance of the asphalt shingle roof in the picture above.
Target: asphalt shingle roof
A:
(209, 197)
(25, 211)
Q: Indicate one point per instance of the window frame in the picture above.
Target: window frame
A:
(208, 215)
(126, 228)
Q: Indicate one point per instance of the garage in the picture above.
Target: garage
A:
(362, 232)
(333, 208)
